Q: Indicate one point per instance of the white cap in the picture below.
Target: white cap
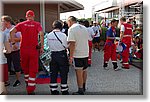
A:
(94, 22)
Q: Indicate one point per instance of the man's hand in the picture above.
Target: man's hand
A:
(15, 47)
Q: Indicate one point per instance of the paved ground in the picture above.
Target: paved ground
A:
(100, 81)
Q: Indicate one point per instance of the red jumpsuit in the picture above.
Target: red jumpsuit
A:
(110, 48)
(127, 41)
(29, 54)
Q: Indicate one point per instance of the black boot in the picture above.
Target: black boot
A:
(105, 66)
(115, 66)
(84, 87)
(79, 92)
(65, 93)
(55, 92)
(32, 93)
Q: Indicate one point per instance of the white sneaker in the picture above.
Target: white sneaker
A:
(117, 69)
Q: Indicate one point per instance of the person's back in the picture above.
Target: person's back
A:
(96, 31)
(91, 33)
(79, 52)
(81, 36)
(54, 43)
(29, 30)
(30, 49)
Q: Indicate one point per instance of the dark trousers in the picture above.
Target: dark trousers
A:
(59, 63)
(14, 57)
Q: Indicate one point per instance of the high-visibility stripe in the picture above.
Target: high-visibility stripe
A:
(125, 63)
(31, 84)
(53, 89)
(53, 84)
(32, 79)
(114, 61)
(64, 85)
(127, 35)
(64, 89)
(26, 75)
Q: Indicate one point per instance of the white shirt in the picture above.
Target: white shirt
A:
(53, 43)
(4, 38)
(17, 35)
(91, 33)
(79, 34)
(96, 29)
(122, 29)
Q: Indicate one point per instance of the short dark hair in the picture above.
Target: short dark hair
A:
(86, 23)
(113, 21)
(123, 19)
(57, 24)
(72, 18)
(81, 21)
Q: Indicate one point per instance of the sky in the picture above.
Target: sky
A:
(86, 13)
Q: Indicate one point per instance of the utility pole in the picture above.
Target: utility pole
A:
(121, 9)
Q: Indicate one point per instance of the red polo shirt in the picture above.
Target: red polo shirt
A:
(29, 30)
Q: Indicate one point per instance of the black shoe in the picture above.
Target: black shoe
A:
(17, 83)
(89, 65)
(7, 83)
(55, 92)
(32, 93)
(12, 73)
(65, 93)
(78, 93)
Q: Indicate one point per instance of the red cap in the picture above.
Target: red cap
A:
(30, 13)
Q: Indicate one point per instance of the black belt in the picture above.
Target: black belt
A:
(63, 51)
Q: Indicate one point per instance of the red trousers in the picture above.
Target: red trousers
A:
(90, 53)
(29, 63)
(110, 52)
(125, 53)
(3, 72)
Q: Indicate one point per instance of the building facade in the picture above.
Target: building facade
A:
(46, 11)
(118, 8)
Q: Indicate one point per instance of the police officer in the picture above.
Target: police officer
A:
(57, 42)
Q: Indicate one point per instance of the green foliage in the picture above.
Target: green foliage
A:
(89, 19)
(103, 35)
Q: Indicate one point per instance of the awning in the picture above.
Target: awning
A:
(65, 5)
(108, 9)
(70, 5)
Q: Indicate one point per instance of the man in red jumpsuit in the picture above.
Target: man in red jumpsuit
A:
(125, 37)
(110, 47)
(29, 49)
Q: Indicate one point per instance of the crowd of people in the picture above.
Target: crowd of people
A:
(20, 48)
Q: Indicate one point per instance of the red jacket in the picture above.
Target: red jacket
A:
(128, 29)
